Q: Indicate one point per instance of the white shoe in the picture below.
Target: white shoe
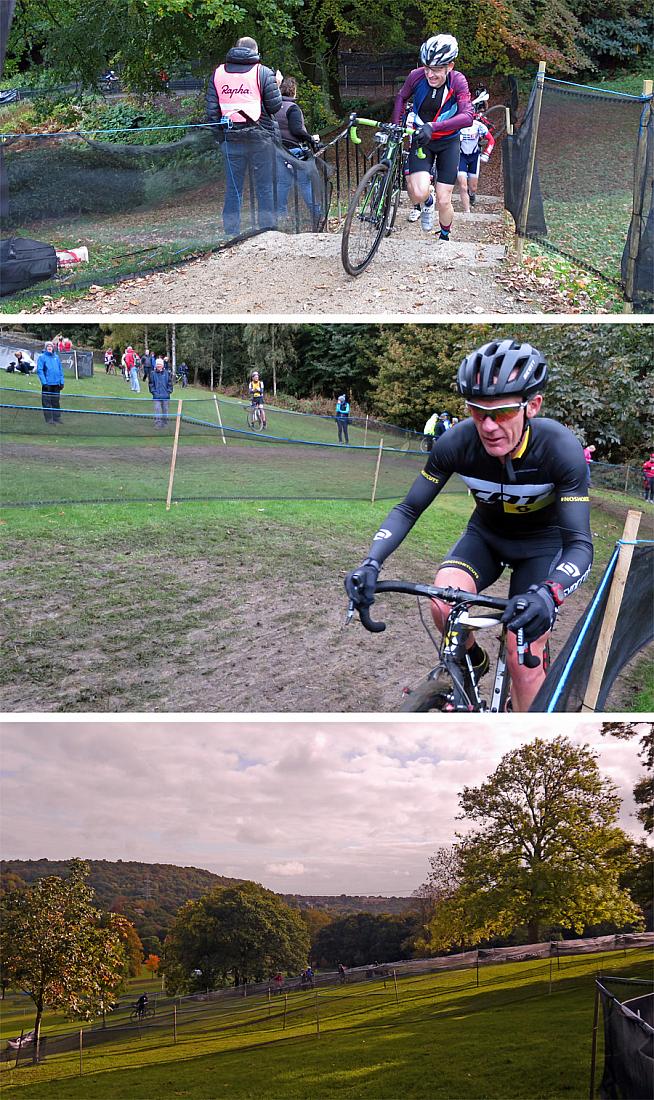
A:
(427, 217)
(414, 213)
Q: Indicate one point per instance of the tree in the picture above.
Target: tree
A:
(244, 933)
(152, 964)
(361, 938)
(548, 850)
(55, 948)
(644, 788)
(130, 939)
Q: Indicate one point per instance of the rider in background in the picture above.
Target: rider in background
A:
(255, 390)
(142, 1004)
(442, 106)
(529, 479)
(469, 160)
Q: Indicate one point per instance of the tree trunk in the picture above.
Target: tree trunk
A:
(222, 358)
(533, 930)
(37, 1031)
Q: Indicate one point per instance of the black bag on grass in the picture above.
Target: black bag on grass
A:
(24, 262)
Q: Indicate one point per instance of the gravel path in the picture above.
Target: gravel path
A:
(277, 273)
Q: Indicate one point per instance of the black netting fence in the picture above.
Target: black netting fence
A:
(78, 454)
(136, 200)
(628, 1038)
(567, 681)
(592, 184)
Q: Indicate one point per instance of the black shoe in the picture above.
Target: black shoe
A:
(473, 199)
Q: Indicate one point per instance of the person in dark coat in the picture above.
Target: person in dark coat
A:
(51, 375)
(161, 387)
(300, 171)
(242, 98)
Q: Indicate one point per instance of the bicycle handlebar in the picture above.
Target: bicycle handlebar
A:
(385, 126)
(450, 595)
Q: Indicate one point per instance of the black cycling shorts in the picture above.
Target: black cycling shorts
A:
(441, 160)
(483, 555)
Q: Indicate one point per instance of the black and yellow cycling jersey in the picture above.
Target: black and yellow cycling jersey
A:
(256, 390)
(538, 496)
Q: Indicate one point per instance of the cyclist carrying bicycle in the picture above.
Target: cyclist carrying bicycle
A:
(256, 389)
(442, 107)
(529, 479)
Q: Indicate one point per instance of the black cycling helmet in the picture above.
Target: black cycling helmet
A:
(500, 368)
(440, 49)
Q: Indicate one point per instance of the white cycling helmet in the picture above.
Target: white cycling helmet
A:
(439, 50)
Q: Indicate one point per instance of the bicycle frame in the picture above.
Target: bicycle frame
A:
(453, 653)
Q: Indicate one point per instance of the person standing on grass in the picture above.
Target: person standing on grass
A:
(51, 375)
(342, 418)
(130, 364)
(443, 107)
(161, 387)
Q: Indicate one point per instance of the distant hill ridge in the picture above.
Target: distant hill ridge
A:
(150, 894)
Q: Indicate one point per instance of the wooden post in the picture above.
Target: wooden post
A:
(75, 363)
(477, 968)
(593, 1055)
(81, 1044)
(365, 431)
(317, 1016)
(379, 455)
(173, 459)
(550, 988)
(285, 1008)
(174, 1023)
(220, 421)
(397, 999)
(509, 124)
(612, 611)
(626, 479)
(636, 227)
(269, 1003)
(531, 163)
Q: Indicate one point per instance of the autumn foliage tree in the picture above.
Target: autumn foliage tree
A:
(56, 947)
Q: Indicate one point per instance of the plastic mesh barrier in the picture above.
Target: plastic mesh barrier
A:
(124, 456)
(628, 1042)
(583, 194)
(137, 207)
(567, 680)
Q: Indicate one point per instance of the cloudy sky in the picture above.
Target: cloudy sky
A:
(308, 807)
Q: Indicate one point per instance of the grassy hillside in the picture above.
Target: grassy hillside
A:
(524, 1031)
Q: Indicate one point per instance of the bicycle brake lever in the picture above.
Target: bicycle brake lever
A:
(525, 656)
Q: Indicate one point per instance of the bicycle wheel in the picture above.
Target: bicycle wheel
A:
(433, 693)
(365, 223)
(257, 423)
(496, 116)
(425, 445)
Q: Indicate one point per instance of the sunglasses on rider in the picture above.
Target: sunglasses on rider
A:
(498, 415)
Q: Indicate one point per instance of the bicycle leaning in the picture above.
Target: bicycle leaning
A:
(372, 212)
(451, 686)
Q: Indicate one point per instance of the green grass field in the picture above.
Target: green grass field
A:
(439, 1036)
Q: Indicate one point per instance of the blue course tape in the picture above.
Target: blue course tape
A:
(602, 91)
(583, 631)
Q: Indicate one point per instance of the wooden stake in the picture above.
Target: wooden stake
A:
(636, 227)
(173, 459)
(550, 988)
(219, 419)
(509, 124)
(317, 1016)
(174, 1023)
(379, 455)
(81, 1043)
(531, 163)
(365, 431)
(612, 611)
(397, 999)
(593, 1055)
(285, 1008)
